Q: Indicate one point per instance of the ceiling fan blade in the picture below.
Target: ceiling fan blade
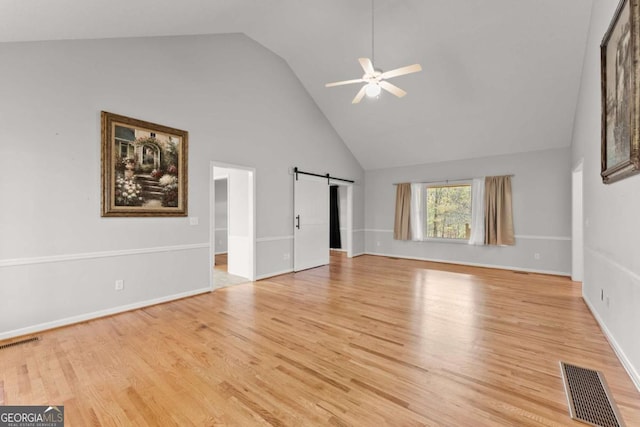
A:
(401, 71)
(360, 95)
(392, 88)
(345, 82)
(367, 66)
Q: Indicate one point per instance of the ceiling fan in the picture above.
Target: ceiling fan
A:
(376, 79)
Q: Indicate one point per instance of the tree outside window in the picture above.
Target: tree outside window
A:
(449, 211)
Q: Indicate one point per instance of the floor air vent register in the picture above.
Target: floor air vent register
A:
(25, 341)
(589, 398)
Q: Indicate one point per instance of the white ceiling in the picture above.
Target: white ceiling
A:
(499, 76)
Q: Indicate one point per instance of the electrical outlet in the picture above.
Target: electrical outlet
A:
(193, 220)
(119, 285)
(286, 256)
(378, 244)
(536, 255)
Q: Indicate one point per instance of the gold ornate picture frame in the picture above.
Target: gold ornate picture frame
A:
(619, 53)
(144, 168)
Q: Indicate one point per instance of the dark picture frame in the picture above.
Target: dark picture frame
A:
(619, 54)
(144, 168)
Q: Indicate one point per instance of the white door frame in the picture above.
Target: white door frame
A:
(577, 223)
(212, 228)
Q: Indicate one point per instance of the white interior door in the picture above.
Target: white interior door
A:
(240, 219)
(311, 222)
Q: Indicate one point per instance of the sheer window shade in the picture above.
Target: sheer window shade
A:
(477, 212)
(418, 220)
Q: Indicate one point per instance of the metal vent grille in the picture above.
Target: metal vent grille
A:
(24, 341)
(589, 397)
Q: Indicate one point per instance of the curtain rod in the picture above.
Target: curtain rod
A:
(446, 181)
(296, 171)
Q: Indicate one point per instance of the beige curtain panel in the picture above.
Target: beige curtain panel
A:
(402, 225)
(498, 212)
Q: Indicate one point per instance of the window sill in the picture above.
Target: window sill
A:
(440, 240)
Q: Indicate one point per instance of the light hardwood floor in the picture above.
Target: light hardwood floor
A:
(369, 341)
(221, 262)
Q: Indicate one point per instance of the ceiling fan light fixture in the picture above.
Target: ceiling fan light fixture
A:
(373, 90)
(375, 80)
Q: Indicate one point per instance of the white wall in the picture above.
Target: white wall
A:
(611, 232)
(241, 105)
(221, 207)
(541, 209)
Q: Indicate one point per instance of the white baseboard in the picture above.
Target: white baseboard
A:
(275, 273)
(338, 250)
(97, 314)
(474, 264)
(631, 370)
(358, 254)
(221, 253)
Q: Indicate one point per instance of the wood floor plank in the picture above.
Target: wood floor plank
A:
(361, 342)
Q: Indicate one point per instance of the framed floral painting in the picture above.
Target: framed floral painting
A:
(620, 53)
(144, 168)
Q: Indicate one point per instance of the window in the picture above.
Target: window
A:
(449, 211)
(125, 149)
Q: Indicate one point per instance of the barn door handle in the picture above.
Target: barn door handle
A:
(298, 222)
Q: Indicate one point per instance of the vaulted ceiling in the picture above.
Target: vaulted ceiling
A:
(499, 76)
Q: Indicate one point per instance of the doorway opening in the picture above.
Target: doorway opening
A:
(232, 225)
(577, 224)
(341, 219)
